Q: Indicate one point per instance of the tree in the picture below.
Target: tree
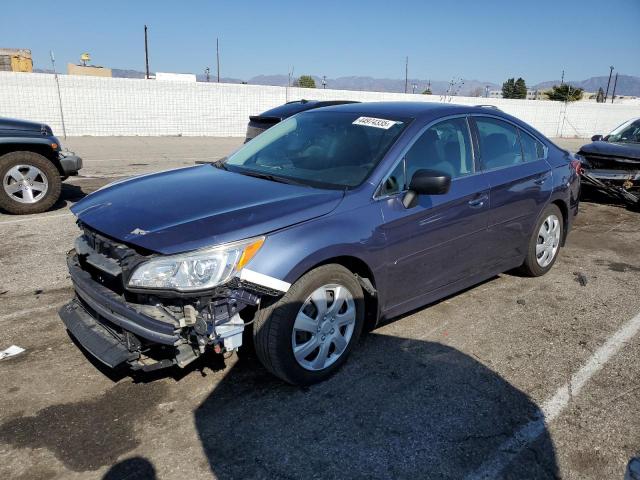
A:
(520, 89)
(306, 81)
(513, 88)
(508, 88)
(600, 96)
(427, 92)
(477, 92)
(564, 93)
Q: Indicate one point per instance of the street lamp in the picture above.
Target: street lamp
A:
(206, 72)
(324, 81)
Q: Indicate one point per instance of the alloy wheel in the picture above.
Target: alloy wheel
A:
(25, 183)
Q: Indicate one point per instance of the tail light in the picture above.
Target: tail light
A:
(576, 165)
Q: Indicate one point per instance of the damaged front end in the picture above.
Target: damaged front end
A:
(614, 176)
(118, 321)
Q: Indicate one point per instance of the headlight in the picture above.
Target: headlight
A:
(199, 270)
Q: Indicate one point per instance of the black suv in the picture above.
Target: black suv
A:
(32, 166)
(260, 123)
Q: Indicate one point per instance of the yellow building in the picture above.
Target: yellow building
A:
(16, 60)
(90, 70)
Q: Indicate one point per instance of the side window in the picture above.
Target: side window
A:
(533, 150)
(445, 147)
(394, 182)
(499, 143)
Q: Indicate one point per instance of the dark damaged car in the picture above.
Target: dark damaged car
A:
(612, 162)
(327, 223)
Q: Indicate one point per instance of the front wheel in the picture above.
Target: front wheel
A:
(544, 244)
(306, 336)
(30, 183)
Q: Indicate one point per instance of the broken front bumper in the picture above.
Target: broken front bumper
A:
(148, 335)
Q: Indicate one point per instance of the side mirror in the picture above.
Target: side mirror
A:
(596, 138)
(426, 182)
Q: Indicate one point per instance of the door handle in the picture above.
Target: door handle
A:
(478, 201)
(541, 180)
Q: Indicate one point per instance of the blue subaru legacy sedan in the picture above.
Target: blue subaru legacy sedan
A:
(324, 225)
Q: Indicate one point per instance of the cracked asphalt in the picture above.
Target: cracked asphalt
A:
(432, 394)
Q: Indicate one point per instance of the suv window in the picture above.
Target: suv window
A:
(499, 143)
(533, 150)
(445, 147)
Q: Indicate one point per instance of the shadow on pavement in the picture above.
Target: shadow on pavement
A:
(135, 468)
(400, 408)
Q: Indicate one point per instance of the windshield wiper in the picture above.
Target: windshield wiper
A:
(220, 164)
(268, 176)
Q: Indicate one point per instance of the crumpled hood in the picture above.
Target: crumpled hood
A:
(625, 150)
(195, 207)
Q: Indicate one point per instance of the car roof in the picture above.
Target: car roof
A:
(413, 109)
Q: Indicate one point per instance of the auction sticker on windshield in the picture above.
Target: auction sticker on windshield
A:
(375, 122)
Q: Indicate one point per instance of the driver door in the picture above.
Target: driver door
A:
(441, 240)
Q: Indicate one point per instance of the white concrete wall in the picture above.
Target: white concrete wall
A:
(118, 106)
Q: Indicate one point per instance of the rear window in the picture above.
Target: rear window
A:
(533, 150)
(499, 143)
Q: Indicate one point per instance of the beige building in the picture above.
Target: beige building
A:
(15, 60)
(90, 70)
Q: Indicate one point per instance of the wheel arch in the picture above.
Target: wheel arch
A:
(564, 210)
(363, 272)
(43, 149)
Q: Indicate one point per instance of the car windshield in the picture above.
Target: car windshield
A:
(321, 149)
(628, 132)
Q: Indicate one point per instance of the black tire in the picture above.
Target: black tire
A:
(531, 267)
(48, 169)
(273, 326)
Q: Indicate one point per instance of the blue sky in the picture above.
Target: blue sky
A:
(483, 40)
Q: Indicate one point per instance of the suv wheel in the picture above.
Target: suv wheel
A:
(30, 183)
(308, 334)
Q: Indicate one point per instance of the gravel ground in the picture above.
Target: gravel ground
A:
(433, 394)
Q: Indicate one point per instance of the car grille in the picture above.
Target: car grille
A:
(106, 260)
(612, 163)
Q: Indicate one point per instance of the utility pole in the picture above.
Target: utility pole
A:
(406, 74)
(55, 75)
(206, 72)
(615, 82)
(218, 58)
(608, 83)
(146, 52)
(324, 82)
(562, 79)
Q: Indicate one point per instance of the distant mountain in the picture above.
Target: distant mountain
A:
(627, 84)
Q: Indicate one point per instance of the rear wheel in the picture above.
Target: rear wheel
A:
(308, 334)
(545, 243)
(30, 183)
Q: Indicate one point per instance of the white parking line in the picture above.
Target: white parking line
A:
(554, 406)
(29, 311)
(30, 219)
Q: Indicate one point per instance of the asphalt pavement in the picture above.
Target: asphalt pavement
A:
(514, 378)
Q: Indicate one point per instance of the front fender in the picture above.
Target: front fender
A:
(288, 253)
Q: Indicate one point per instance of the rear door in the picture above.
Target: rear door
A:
(519, 178)
(443, 238)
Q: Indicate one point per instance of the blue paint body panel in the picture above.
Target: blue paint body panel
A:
(481, 227)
